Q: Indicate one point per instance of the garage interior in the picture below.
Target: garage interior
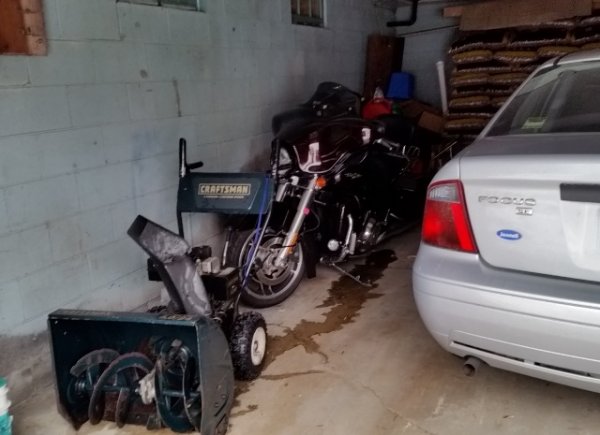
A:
(94, 96)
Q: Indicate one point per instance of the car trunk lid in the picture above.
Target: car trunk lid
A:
(534, 202)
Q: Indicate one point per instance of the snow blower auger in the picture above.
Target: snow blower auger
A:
(173, 367)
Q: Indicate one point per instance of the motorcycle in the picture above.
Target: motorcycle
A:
(342, 185)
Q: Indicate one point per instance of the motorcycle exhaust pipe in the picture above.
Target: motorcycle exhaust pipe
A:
(471, 365)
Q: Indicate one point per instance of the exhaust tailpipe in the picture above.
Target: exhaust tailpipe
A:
(471, 365)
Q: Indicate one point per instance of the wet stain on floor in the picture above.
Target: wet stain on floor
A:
(289, 375)
(241, 387)
(346, 298)
(247, 410)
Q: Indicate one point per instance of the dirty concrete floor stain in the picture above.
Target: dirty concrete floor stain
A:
(346, 298)
(245, 411)
(241, 387)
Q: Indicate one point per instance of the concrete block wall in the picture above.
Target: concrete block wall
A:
(426, 42)
(88, 139)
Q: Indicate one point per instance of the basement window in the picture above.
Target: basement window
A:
(22, 28)
(308, 12)
(192, 5)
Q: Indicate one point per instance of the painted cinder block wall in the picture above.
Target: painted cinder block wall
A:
(88, 139)
(426, 42)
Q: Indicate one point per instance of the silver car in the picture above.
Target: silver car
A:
(508, 270)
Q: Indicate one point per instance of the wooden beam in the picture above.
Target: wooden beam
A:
(457, 11)
(453, 11)
(35, 29)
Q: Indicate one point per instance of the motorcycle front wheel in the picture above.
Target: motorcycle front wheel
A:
(266, 284)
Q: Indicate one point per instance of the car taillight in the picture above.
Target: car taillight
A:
(445, 221)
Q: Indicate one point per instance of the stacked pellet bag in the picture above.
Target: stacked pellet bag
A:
(488, 66)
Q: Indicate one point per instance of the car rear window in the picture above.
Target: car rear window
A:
(558, 99)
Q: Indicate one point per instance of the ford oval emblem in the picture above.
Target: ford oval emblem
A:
(509, 235)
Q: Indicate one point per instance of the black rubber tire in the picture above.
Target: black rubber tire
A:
(245, 336)
(235, 258)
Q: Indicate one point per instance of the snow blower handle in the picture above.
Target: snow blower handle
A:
(184, 167)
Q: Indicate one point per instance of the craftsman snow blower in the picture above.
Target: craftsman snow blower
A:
(173, 367)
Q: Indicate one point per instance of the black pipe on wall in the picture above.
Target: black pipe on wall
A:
(410, 21)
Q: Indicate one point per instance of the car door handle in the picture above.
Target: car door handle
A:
(580, 192)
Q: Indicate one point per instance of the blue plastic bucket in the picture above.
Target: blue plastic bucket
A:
(402, 86)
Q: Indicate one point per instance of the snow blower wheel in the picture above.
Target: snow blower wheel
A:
(248, 344)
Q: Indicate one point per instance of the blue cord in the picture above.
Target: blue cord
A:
(257, 232)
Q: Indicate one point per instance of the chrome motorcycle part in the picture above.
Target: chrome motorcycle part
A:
(284, 157)
(352, 246)
(370, 234)
(333, 245)
(281, 191)
(348, 243)
(267, 284)
(366, 135)
(349, 275)
(347, 248)
(291, 239)
(284, 163)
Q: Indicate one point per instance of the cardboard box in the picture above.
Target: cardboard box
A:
(426, 116)
(432, 122)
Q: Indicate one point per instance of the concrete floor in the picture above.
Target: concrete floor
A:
(348, 360)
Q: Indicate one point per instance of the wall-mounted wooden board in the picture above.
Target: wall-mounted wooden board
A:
(22, 29)
(384, 56)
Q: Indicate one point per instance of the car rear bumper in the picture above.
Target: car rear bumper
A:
(530, 324)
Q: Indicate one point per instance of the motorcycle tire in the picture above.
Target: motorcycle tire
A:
(263, 289)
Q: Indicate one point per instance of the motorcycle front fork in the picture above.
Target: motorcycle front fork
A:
(303, 210)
